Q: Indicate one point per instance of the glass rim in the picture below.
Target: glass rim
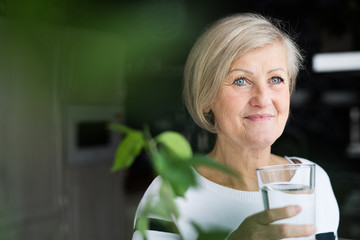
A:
(289, 166)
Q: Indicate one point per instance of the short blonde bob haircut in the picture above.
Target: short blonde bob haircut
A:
(223, 42)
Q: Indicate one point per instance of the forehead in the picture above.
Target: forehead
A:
(261, 58)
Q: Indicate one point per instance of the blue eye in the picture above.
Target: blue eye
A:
(276, 80)
(240, 81)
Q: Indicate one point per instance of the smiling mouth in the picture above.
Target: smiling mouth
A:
(259, 117)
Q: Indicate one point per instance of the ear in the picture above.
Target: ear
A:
(207, 110)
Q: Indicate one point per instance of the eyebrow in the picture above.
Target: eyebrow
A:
(249, 72)
(276, 69)
(242, 70)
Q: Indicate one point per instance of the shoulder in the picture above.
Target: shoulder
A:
(159, 226)
(323, 185)
(320, 172)
(151, 192)
(327, 210)
(153, 188)
(301, 160)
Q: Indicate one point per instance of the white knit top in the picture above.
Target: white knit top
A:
(213, 206)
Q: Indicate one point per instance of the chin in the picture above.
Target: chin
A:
(261, 141)
(261, 145)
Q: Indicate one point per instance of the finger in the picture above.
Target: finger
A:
(272, 215)
(291, 231)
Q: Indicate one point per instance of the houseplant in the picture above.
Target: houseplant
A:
(173, 160)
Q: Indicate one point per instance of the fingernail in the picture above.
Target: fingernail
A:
(297, 208)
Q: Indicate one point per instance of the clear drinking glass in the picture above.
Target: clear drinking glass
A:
(289, 184)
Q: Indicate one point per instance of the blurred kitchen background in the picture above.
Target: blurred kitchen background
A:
(68, 68)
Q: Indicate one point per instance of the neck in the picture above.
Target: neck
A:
(244, 161)
(241, 159)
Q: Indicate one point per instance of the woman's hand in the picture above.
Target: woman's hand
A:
(258, 226)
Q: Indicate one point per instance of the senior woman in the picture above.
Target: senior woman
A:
(237, 84)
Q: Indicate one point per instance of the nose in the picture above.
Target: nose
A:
(261, 97)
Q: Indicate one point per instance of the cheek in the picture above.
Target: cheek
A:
(223, 108)
(228, 104)
(283, 104)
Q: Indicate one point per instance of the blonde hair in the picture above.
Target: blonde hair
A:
(210, 58)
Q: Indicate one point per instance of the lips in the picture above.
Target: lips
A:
(259, 117)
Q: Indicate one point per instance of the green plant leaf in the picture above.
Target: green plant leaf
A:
(128, 149)
(142, 221)
(213, 234)
(167, 195)
(142, 225)
(177, 172)
(160, 163)
(181, 179)
(175, 144)
(161, 207)
(173, 160)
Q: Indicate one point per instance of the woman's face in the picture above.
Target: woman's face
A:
(253, 105)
